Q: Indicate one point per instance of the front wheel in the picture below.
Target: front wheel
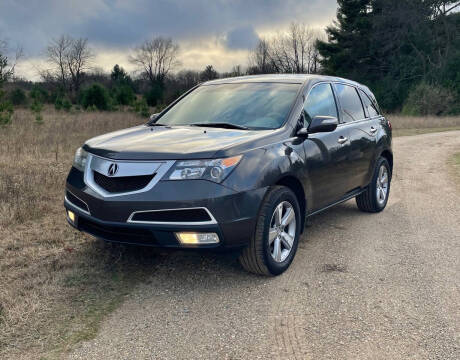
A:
(375, 198)
(274, 243)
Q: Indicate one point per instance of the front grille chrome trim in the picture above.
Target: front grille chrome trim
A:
(78, 207)
(134, 167)
(209, 222)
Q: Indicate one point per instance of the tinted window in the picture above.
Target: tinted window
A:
(320, 102)
(370, 108)
(352, 108)
(254, 105)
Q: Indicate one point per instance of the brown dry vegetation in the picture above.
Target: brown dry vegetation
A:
(57, 284)
(412, 125)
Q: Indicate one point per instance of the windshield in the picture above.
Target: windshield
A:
(250, 105)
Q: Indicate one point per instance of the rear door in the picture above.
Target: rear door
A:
(326, 153)
(361, 133)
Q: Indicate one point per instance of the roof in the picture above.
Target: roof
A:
(281, 78)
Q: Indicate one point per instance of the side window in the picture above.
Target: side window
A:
(369, 106)
(352, 109)
(320, 102)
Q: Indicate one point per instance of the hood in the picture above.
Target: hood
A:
(170, 143)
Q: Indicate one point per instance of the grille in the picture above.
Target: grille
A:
(181, 215)
(122, 184)
(76, 201)
(117, 233)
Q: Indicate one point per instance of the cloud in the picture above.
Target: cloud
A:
(231, 26)
(244, 37)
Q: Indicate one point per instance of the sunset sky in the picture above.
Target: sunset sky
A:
(217, 32)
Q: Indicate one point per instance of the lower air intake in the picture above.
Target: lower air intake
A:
(176, 216)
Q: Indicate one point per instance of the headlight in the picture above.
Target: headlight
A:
(80, 159)
(214, 170)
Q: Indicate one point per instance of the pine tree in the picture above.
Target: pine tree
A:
(347, 51)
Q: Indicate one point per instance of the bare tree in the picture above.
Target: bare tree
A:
(78, 59)
(295, 50)
(260, 59)
(69, 59)
(155, 58)
(7, 68)
(56, 54)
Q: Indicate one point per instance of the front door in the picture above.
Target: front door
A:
(327, 154)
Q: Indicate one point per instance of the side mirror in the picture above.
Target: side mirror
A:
(323, 124)
(153, 116)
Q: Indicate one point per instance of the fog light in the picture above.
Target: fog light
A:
(197, 238)
(71, 215)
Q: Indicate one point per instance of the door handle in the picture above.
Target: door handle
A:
(373, 130)
(342, 140)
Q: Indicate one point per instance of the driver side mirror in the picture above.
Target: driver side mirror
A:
(323, 124)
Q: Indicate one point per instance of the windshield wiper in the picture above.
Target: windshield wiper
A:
(221, 125)
(157, 124)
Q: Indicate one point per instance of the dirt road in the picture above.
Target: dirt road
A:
(383, 286)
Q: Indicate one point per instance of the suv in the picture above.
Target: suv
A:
(235, 163)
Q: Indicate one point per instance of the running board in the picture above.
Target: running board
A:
(347, 197)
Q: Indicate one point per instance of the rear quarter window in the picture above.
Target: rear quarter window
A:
(369, 106)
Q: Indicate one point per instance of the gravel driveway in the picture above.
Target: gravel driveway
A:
(362, 286)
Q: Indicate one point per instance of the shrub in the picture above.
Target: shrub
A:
(96, 96)
(18, 97)
(154, 95)
(66, 104)
(37, 108)
(429, 99)
(62, 103)
(123, 95)
(39, 94)
(58, 103)
(6, 110)
(141, 107)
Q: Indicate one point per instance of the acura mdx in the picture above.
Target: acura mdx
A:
(237, 163)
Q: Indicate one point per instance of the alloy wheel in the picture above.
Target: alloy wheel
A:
(382, 185)
(282, 231)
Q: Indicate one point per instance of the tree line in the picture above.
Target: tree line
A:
(406, 51)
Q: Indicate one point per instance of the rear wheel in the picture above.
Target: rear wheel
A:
(274, 243)
(375, 198)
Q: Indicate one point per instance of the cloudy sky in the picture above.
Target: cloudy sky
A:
(217, 32)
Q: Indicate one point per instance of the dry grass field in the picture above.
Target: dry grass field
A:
(412, 125)
(57, 284)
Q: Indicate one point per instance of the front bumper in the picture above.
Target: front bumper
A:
(234, 213)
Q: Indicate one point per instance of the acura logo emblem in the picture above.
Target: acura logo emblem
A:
(113, 169)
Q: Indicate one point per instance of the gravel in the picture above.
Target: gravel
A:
(362, 286)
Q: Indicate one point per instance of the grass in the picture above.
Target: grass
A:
(57, 285)
(410, 125)
(455, 167)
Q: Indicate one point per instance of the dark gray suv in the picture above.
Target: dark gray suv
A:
(235, 163)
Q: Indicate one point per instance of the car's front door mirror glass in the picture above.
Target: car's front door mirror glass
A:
(153, 116)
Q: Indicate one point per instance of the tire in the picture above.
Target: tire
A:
(260, 256)
(371, 200)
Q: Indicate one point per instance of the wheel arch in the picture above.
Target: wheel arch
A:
(387, 154)
(296, 187)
